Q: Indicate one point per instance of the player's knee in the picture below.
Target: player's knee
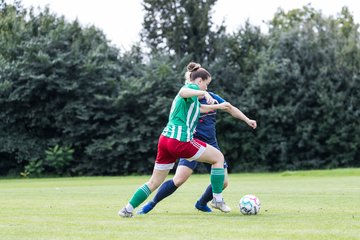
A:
(178, 182)
(221, 157)
(218, 157)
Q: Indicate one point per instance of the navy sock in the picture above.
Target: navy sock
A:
(207, 196)
(165, 190)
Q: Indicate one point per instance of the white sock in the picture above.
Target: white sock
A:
(129, 208)
(218, 197)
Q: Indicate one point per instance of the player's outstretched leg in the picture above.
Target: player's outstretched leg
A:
(139, 196)
(165, 190)
(143, 192)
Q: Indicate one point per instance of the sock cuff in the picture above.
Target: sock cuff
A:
(145, 189)
(217, 171)
(172, 182)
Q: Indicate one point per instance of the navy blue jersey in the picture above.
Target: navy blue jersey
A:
(206, 130)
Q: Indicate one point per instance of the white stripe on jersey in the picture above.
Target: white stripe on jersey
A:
(178, 137)
(194, 117)
(188, 121)
(172, 131)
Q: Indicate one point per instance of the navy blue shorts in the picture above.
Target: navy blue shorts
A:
(193, 164)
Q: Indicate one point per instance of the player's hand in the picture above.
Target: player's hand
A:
(252, 123)
(209, 99)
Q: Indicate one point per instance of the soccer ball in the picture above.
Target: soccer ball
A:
(249, 205)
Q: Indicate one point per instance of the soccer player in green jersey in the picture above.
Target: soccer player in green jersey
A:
(176, 141)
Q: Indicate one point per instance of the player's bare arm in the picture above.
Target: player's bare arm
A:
(188, 92)
(237, 113)
(207, 108)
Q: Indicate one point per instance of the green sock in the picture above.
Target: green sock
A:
(140, 195)
(217, 179)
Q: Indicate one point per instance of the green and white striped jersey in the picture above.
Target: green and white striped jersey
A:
(184, 116)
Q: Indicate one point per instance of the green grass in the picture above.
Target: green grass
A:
(295, 205)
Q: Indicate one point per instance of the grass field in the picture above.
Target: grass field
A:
(295, 205)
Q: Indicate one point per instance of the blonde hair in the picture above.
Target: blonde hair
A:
(198, 71)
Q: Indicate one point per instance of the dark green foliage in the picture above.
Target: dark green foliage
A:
(56, 80)
(143, 105)
(305, 93)
(57, 159)
(71, 104)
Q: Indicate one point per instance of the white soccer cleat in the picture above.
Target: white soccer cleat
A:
(220, 205)
(125, 214)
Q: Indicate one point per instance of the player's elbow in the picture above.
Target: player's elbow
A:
(185, 93)
(182, 93)
(229, 109)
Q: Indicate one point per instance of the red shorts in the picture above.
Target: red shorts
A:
(170, 149)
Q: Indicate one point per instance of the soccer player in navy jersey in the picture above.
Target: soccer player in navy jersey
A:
(206, 132)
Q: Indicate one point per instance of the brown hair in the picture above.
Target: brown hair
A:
(194, 71)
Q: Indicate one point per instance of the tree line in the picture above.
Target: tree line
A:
(71, 103)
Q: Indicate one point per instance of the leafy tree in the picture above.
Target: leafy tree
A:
(233, 72)
(303, 92)
(180, 27)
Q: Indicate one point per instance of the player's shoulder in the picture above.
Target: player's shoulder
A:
(192, 86)
(213, 94)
